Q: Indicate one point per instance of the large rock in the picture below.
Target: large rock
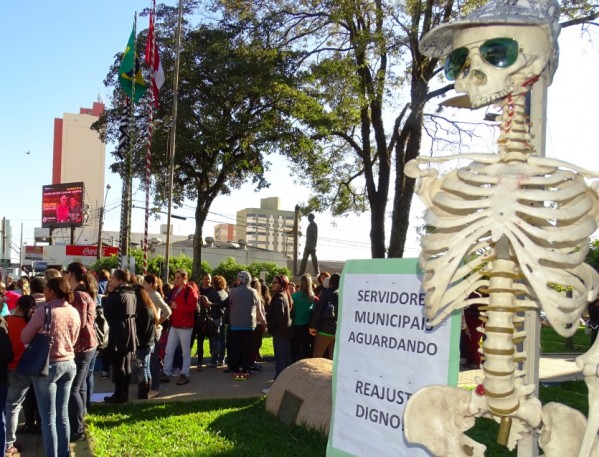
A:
(311, 381)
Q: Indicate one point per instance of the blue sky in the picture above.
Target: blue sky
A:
(56, 55)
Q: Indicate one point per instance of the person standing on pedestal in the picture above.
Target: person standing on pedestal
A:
(310, 248)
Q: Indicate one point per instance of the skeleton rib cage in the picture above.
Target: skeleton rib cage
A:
(517, 230)
(543, 212)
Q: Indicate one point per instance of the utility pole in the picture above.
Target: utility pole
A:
(295, 238)
(101, 223)
(173, 131)
(4, 238)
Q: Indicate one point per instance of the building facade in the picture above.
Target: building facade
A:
(267, 227)
(79, 155)
(225, 232)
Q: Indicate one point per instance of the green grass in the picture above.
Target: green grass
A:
(551, 342)
(266, 350)
(243, 428)
(224, 428)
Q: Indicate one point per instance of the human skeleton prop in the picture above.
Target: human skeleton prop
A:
(511, 223)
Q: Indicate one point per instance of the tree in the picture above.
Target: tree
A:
(359, 56)
(232, 112)
(155, 264)
(229, 268)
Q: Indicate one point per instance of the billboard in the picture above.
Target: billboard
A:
(62, 205)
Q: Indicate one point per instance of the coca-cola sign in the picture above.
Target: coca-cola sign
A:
(90, 251)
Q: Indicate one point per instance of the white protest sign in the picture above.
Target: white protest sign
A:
(384, 353)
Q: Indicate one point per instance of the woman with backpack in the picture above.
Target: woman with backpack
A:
(85, 290)
(146, 320)
(119, 308)
(324, 319)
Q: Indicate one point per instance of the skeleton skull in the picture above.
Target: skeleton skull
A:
(486, 83)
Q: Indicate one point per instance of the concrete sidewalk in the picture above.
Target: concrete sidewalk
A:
(214, 383)
(552, 368)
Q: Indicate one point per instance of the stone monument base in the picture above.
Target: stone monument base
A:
(302, 394)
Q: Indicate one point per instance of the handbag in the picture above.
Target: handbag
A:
(35, 361)
(210, 329)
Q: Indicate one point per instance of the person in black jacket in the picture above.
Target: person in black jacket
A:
(120, 312)
(324, 319)
(6, 356)
(145, 323)
(214, 304)
(278, 321)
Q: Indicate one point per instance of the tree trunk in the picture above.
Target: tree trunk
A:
(200, 218)
(377, 228)
(408, 147)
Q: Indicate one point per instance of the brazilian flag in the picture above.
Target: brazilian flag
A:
(129, 65)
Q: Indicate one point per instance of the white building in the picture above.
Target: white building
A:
(267, 227)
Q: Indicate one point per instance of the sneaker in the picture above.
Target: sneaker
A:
(14, 449)
(116, 400)
(77, 437)
(164, 377)
(211, 364)
(265, 391)
(153, 393)
(220, 364)
(182, 380)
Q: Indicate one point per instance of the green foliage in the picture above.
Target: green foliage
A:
(105, 263)
(271, 269)
(592, 257)
(155, 264)
(229, 268)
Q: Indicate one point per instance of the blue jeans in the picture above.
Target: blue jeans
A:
(18, 385)
(143, 365)
(178, 336)
(3, 392)
(52, 393)
(155, 368)
(282, 354)
(78, 396)
(90, 379)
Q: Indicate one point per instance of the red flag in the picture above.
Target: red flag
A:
(153, 60)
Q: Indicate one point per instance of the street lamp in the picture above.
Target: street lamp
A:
(99, 253)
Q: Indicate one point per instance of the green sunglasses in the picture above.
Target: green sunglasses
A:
(499, 52)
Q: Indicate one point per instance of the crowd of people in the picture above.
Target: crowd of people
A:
(152, 329)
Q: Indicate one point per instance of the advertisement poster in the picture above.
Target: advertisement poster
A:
(384, 353)
(62, 205)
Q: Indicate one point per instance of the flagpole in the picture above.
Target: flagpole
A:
(149, 152)
(132, 142)
(124, 147)
(172, 135)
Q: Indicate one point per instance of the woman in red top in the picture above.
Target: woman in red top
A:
(183, 300)
(85, 290)
(18, 385)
